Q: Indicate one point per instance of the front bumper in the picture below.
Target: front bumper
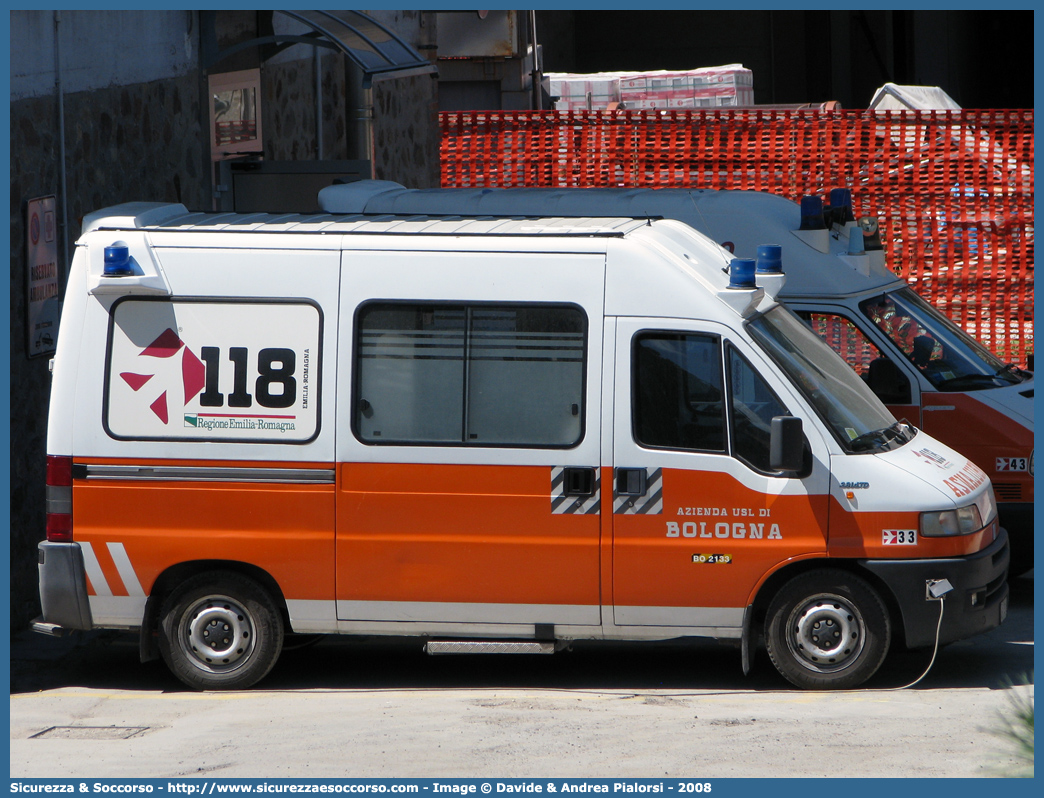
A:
(978, 603)
(63, 589)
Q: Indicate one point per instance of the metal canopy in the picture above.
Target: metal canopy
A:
(376, 50)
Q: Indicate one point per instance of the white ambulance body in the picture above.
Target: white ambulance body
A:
(921, 365)
(491, 434)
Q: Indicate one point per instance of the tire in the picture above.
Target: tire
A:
(843, 606)
(222, 602)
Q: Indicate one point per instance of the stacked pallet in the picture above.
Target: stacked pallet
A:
(727, 86)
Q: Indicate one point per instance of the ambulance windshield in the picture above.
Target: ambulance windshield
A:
(949, 358)
(858, 419)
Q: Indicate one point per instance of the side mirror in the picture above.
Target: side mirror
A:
(786, 444)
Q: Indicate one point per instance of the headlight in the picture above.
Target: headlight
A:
(946, 523)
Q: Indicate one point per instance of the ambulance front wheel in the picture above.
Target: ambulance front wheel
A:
(220, 631)
(827, 630)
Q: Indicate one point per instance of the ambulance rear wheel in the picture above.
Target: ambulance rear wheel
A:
(220, 631)
(827, 630)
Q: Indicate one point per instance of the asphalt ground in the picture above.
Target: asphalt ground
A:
(380, 707)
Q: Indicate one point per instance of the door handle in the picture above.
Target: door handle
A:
(631, 481)
(579, 482)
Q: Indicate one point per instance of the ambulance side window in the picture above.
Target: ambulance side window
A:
(409, 373)
(752, 404)
(477, 374)
(677, 392)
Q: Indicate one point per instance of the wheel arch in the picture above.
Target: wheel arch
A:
(775, 581)
(175, 575)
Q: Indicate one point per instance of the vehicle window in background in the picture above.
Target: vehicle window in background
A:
(857, 418)
(844, 337)
(948, 357)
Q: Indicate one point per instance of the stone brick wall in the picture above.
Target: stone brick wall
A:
(405, 120)
(34, 173)
(288, 110)
(405, 110)
(406, 131)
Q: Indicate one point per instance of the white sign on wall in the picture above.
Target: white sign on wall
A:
(245, 371)
(43, 302)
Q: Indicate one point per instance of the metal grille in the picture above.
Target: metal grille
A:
(953, 190)
(1008, 491)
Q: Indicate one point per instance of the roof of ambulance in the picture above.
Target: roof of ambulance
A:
(692, 254)
(747, 219)
(160, 217)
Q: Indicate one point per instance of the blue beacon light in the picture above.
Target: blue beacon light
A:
(741, 274)
(118, 260)
(812, 213)
(770, 259)
(841, 206)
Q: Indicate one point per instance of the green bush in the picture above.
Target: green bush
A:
(1016, 729)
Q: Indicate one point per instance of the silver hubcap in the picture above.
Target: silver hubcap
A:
(216, 634)
(825, 633)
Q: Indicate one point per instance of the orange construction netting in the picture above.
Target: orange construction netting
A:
(953, 190)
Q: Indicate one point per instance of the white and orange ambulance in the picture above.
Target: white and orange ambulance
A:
(491, 434)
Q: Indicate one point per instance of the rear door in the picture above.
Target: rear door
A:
(203, 432)
(698, 517)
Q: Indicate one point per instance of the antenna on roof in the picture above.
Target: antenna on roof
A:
(706, 228)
